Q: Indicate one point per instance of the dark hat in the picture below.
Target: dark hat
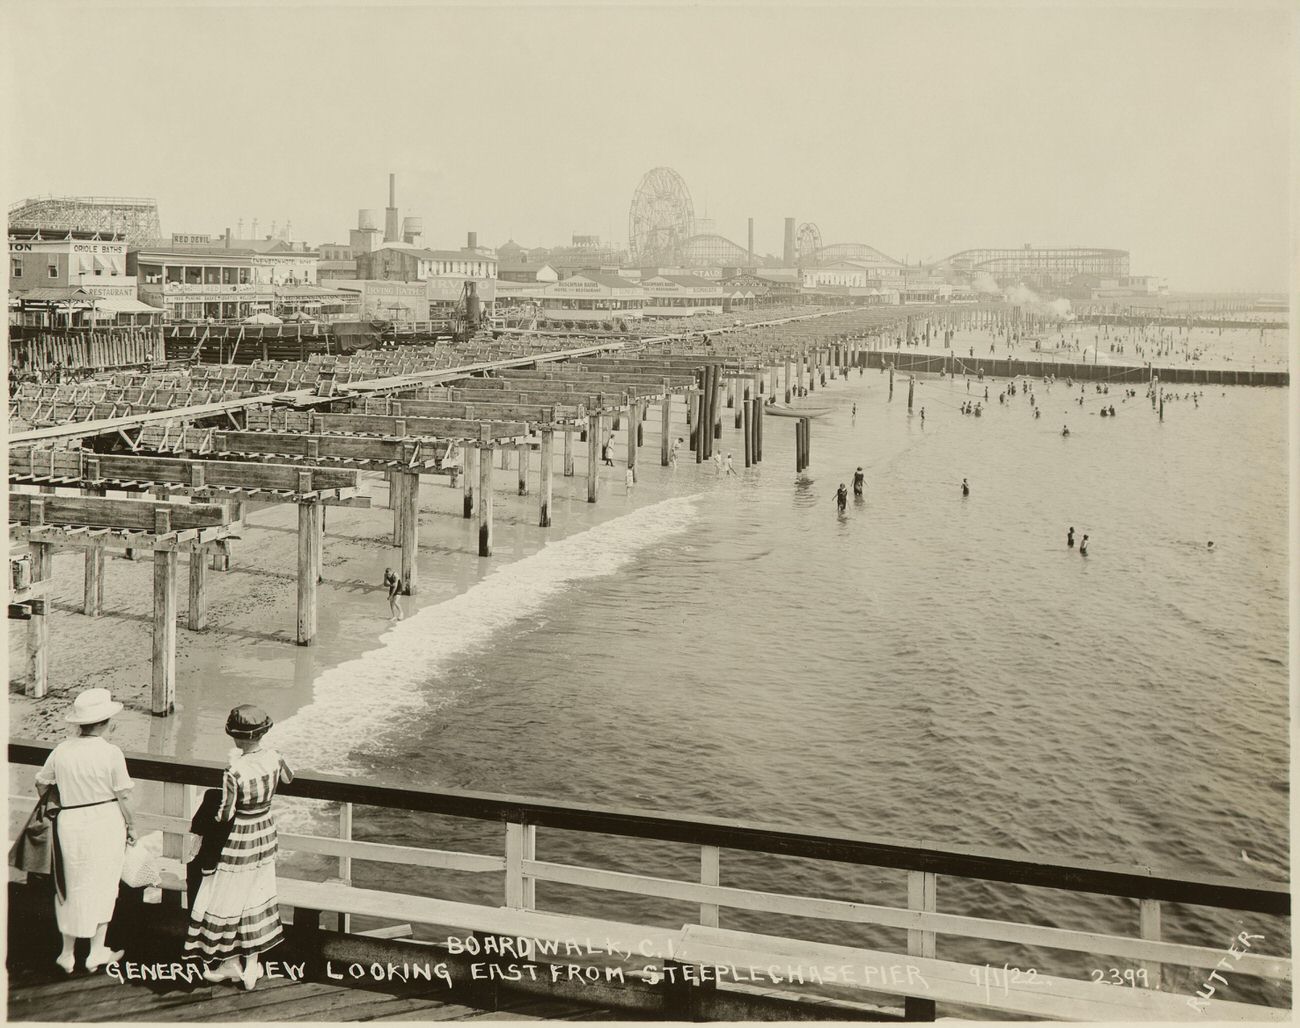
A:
(248, 722)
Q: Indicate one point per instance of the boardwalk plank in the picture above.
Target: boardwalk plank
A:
(449, 1012)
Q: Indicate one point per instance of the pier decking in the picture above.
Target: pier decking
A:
(657, 966)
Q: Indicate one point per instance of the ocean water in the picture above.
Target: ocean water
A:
(926, 665)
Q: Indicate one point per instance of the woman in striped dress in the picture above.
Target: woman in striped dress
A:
(236, 914)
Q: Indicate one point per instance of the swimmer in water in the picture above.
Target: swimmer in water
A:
(1083, 547)
(859, 482)
(1065, 430)
(1210, 545)
(923, 415)
(965, 487)
(731, 469)
(1069, 539)
(842, 497)
(855, 410)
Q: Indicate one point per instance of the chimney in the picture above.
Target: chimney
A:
(787, 257)
(227, 239)
(751, 240)
(391, 232)
(473, 241)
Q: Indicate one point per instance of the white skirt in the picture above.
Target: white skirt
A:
(93, 843)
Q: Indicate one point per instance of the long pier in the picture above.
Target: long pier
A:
(700, 966)
(921, 362)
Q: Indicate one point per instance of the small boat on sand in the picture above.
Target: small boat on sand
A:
(782, 411)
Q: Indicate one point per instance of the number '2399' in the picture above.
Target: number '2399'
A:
(1116, 976)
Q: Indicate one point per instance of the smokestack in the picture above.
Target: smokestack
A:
(751, 240)
(788, 257)
(227, 238)
(473, 241)
(391, 232)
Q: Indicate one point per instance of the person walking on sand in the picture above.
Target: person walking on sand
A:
(394, 584)
(94, 827)
(672, 452)
(606, 451)
(236, 913)
(730, 468)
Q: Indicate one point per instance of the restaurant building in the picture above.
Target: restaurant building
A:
(70, 278)
(592, 297)
(681, 296)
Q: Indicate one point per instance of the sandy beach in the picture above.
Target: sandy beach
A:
(247, 653)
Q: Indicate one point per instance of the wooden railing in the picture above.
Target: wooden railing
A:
(924, 863)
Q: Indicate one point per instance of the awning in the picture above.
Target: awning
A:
(125, 305)
(55, 294)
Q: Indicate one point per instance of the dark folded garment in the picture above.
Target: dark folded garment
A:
(212, 835)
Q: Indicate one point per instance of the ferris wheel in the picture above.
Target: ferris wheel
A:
(662, 216)
(808, 243)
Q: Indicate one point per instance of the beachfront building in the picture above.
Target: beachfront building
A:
(527, 272)
(836, 273)
(681, 296)
(219, 281)
(402, 263)
(387, 300)
(591, 297)
(70, 278)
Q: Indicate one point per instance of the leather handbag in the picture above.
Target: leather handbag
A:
(33, 850)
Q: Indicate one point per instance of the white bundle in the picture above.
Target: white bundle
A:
(142, 865)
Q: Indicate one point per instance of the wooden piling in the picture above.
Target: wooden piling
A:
(163, 700)
(593, 457)
(410, 538)
(471, 477)
(485, 503)
(38, 628)
(747, 418)
(911, 389)
(735, 389)
(761, 410)
(308, 585)
(891, 380)
(544, 486)
(568, 452)
(521, 458)
(633, 426)
(93, 601)
(717, 404)
(807, 441)
(665, 428)
(396, 483)
(197, 612)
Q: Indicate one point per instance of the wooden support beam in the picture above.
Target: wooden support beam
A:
(38, 627)
(410, 537)
(521, 455)
(485, 502)
(593, 456)
(396, 485)
(93, 599)
(308, 586)
(633, 424)
(536, 413)
(163, 701)
(413, 427)
(471, 478)
(98, 512)
(316, 447)
(544, 487)
(568, 452)
(198, 605)
(665, 428)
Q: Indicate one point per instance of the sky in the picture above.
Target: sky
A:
(920, 130)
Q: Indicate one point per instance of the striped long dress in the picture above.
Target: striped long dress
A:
(236, 911)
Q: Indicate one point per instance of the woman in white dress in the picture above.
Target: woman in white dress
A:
(235, 913)
(94, 824)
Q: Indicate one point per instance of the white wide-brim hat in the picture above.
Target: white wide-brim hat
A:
(92, 706)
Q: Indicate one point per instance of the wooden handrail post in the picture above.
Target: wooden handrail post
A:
(1149, 928)
(922, 894)
(710, 874)
(514, 883)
